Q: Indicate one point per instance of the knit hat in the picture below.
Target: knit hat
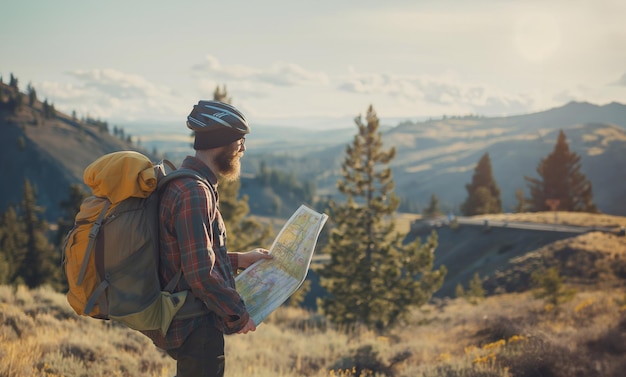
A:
(215, 139)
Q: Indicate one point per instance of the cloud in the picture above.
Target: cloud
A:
(117, 84)
(621, 81)
(109, 93)
(212, 66)
(443, 90)
(282, 74)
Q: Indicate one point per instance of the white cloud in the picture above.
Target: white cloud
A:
(109, 93)
(438, 90)
(212, 66)
(278, 74)
(621, 81)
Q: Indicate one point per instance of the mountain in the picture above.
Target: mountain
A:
(50, 152)
(433, 156)
(439, 156)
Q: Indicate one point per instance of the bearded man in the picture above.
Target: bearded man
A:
(193, 241)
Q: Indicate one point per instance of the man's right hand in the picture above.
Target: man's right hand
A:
(249, 327)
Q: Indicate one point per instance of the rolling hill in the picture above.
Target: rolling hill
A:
(434, 156)
(51, 153)
(439, 156)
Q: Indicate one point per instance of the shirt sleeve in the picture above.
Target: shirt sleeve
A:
(204, 267)
(234, 260)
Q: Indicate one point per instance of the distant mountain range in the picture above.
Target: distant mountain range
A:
(439, 156)
(433, 157)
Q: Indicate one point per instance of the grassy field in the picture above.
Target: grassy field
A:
(505, 335)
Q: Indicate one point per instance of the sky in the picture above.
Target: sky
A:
(315, 63)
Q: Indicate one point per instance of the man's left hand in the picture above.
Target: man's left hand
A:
(250, 257)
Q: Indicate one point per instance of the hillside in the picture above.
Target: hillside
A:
(52, 153)
(439, 156)
(505, 257)
(446, 152)
(510, 335)
(435, 156)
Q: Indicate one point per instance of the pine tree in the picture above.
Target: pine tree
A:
(520, 205)
(70, 208)
(32, 94)
(483, 194)
(433, 207)
(221, 94)
(38, 266)
(243, 232)
(13, 82)
(561, 179)
(475, 292)
(13, 244)
(550, 286)
(459, 292)
(372, 278)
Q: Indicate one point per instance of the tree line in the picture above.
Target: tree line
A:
(12, 100)
(560, 185)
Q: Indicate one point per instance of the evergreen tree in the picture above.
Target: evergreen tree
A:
(549, 285)
(32, 94)
(49, 112)
(459, 292)
(243, 232)
(221, 94)
(520, 205)
(476, 292)
(13, 82)
(372, 278)
(433, 209)
(561, 179)
(13, 244)
(38, 266)
(70, 208)
(483, 194)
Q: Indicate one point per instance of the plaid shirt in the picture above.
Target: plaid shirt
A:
(187, 242)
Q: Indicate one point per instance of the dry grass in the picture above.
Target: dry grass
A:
(506, 335)
(403, 221)
(41, 336)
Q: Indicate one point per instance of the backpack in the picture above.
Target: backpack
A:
(111, 255)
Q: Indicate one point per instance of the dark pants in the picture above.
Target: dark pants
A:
(201, 355)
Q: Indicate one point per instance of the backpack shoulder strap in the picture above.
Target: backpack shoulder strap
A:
(175, 174)
(93, 233)
(180, 173)
(188, 173)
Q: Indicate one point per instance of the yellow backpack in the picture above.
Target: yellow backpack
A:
(111, 255)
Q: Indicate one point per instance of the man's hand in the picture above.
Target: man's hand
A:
(248, 258)
(249, 327)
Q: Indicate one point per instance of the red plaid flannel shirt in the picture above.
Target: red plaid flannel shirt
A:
(186, 215)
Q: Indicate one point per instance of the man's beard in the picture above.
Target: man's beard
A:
(228, 165)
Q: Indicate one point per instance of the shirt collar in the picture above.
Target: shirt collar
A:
(195, 164)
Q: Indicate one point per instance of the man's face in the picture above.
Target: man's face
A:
(227, 160)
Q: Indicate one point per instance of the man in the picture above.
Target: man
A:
(193, 239)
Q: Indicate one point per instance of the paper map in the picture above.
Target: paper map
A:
(267, 284)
